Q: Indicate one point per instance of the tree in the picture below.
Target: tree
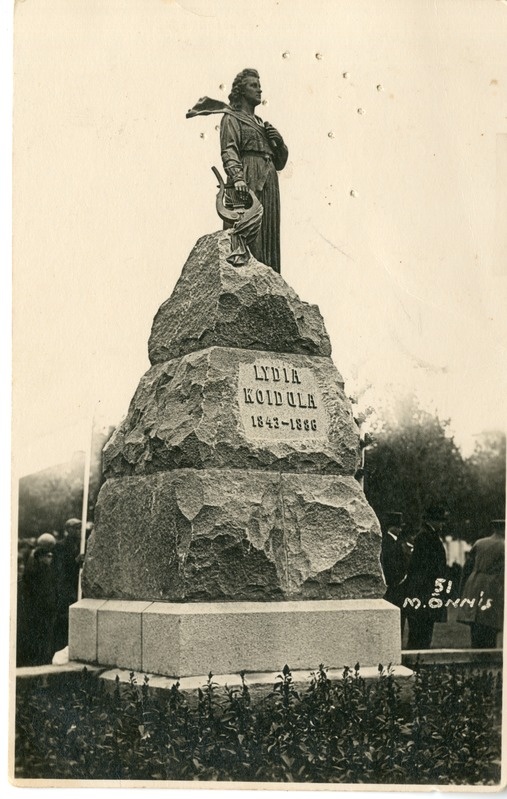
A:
(486, 474)
(413, 465)
(49, 497)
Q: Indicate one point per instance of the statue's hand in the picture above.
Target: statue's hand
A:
(273, 134)
(241, 189)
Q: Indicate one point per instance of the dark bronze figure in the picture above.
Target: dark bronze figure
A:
(252, 153)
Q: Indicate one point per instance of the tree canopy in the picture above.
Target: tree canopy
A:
(49, 497)
(412, 465)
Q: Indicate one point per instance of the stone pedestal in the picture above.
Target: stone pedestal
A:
(190, 639)
(231, 483)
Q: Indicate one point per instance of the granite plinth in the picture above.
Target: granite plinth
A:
(218, 534)
(119, 633)
(243, 409)
(83, 633)
(191, 639)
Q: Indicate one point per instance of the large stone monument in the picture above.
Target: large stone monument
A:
(230, 531)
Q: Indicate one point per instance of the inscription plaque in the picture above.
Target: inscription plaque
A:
(279, 401)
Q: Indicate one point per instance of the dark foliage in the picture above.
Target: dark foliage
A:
(49, 497)
(412, 465)
(348, 731)
(486, 470)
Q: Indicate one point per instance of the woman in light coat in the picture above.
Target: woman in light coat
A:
(482, 597)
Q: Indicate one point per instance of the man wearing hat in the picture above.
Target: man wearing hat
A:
(482, 597)
(392, 558)
(427, 565)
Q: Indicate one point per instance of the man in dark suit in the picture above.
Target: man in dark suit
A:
(392, 558)
(428, 565)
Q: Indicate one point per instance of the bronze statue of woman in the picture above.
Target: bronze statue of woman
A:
(252, 153)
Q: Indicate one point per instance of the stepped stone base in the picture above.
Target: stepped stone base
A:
(184, 640)
(230, 533)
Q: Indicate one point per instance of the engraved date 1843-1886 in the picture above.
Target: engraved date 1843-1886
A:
(274, 423)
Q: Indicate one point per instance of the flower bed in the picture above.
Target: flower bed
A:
(348, 731)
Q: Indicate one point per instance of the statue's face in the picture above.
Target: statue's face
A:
(252, 91)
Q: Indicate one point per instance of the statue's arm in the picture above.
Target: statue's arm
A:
(280, 156)
(230, 146)
(278, 146)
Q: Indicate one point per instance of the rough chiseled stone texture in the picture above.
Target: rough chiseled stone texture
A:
(191, 413)
(218, 534)
(232, 476)
(252, 307)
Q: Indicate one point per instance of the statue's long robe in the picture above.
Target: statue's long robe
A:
(248, 154)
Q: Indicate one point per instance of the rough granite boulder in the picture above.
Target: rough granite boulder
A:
(231, 534)
(231, 477)
(216, 304)
(245, 409)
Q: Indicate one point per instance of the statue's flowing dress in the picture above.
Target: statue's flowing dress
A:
(248, 154)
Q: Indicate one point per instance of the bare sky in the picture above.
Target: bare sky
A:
(402, 102)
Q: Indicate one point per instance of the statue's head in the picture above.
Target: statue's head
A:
(245, 84)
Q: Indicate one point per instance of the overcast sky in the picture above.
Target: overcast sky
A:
(402, 103)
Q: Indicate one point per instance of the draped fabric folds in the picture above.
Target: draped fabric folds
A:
(249, 154)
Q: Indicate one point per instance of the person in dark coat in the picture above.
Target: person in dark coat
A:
(392, 559)
(68, 564)
(40, 597)
(482, 597)
(420, 589)
(23, 635)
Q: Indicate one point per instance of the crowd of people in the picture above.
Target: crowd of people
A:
(48, 581)
(428, 573)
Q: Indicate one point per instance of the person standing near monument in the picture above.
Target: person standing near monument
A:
(482, 597)
(427, 565)
(40, 595)
(252, 153)
(392, 559)
(68, 564)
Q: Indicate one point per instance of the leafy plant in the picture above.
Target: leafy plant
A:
(350, 730)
